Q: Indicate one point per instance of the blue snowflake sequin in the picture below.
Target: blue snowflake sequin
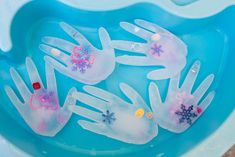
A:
(108, 117)
(186, 114)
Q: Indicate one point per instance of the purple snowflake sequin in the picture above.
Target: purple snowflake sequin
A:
(81, 59)
(44, 99)
(186, 115)
(47, 97)
(156, 49)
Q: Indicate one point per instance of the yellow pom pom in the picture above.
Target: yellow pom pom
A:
(139, 113)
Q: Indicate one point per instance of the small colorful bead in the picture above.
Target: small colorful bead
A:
(36, 86)
(55, 52)
(156, 37)
(149, 115)
(139, 113)
(199, 110)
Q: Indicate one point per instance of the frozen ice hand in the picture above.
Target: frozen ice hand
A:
(82, 62)
(162, 49)
(41, 109)
(181, 107)
(116, 118)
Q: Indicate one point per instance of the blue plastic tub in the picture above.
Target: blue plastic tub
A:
(207, 29)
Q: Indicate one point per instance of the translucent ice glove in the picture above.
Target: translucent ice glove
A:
(82, 62)
(117, 119)
(162, 49)
(40, 109)
(181, 107)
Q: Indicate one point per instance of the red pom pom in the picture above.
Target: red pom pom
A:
(36, 86)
